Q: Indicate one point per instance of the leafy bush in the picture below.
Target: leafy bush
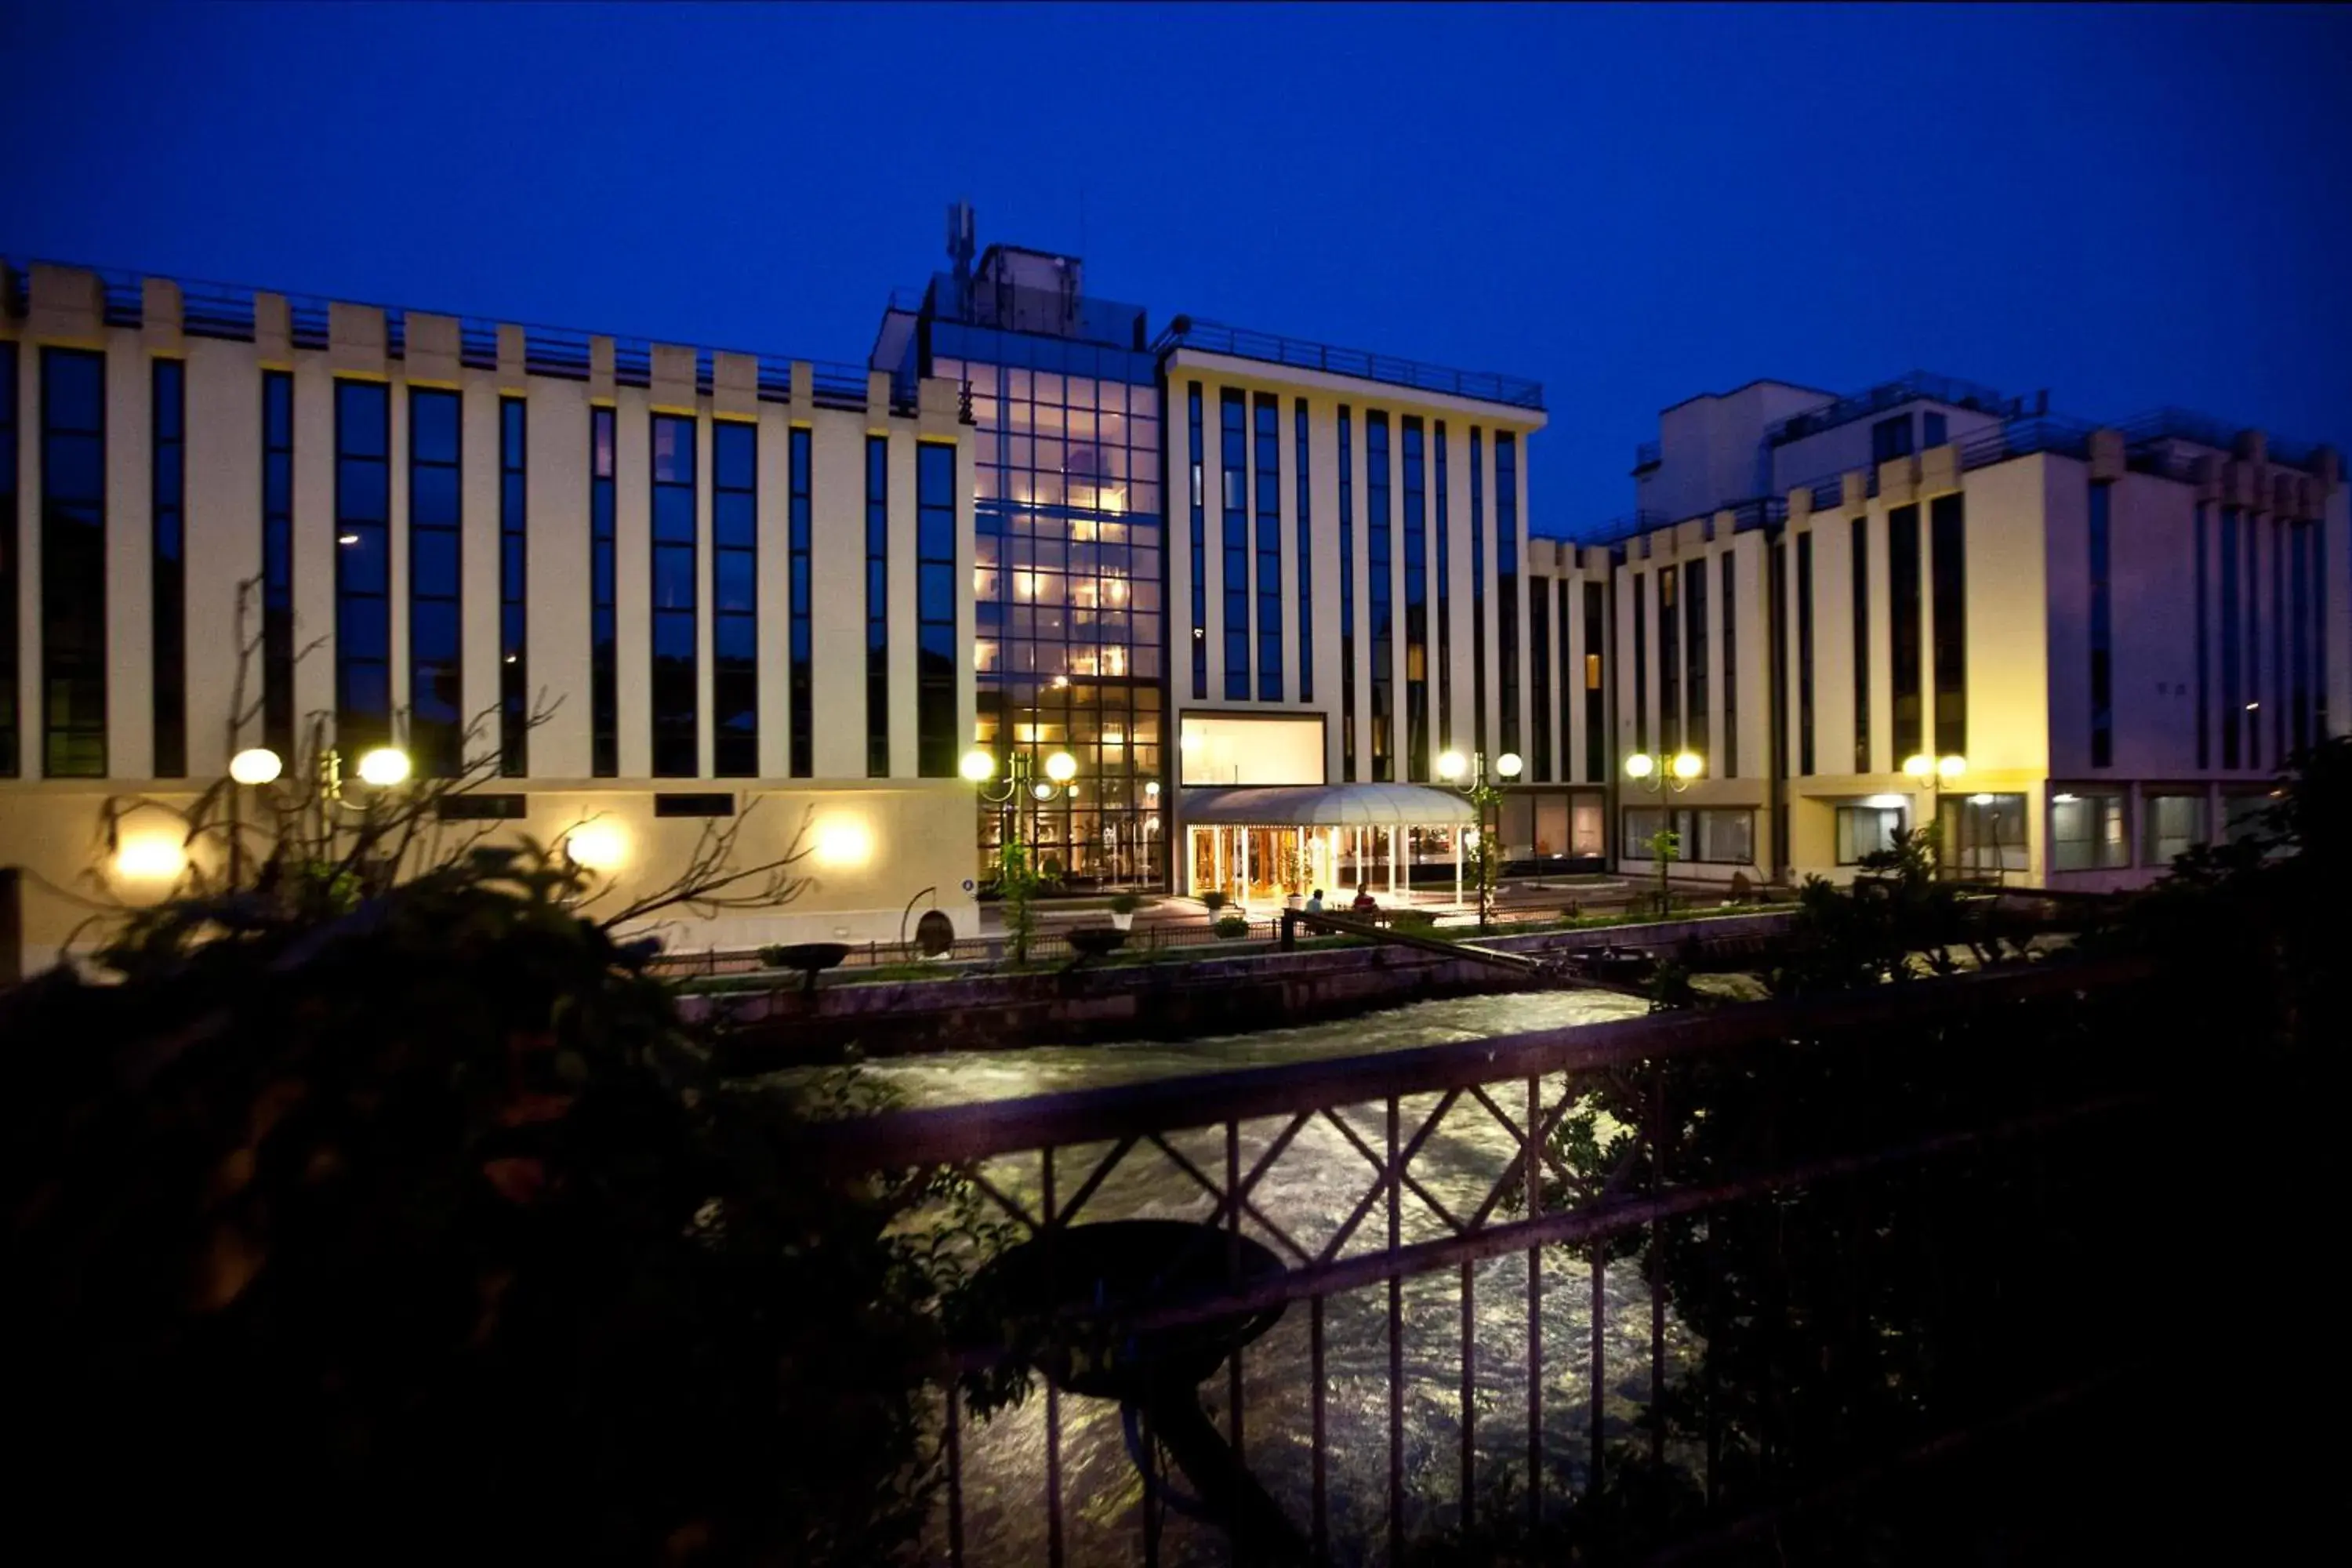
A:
(1231, 926)
(416, 1233)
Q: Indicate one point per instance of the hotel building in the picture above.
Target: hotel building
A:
(1256, 587)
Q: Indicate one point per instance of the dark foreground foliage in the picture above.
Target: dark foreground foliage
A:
(408, 1233)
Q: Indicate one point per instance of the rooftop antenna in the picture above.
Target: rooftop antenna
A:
(961, 244)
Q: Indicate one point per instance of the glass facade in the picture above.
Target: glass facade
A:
(11, 756)
(800, 675)
(2103, 695)
(1067, 576)
(363, 565)
(603, 646)
(1266, 488)
(514, 581)
(2087, 833)
(437, 725)
(2204, 697)
(1948, 565)
(73, 563)
(1378, 568)
(2249, 532)
(1670, 661)
(1568, 665)
(1233, 479)
(1306, 532)
(1417, 751)
(168, 564)
(676, 594)
(1348, 649)
(1982, 835)
(278, 562)
(2232, 700)
(1867, 830)
(1445, 733)
(877, 607)
(937, 742)
(1596, 712)
(1695, 652)
(1903, 673)
(1200, 538)
(734, 599)
(1805, 653)
(2174, 825)
(1641, 662)
(1478, 584)
(1730, 602)
(1507, 577)
(1860, 527)
(1538, 760)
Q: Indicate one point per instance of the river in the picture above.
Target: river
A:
(1308, 1193)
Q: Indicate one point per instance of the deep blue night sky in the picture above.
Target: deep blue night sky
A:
(2128, 205)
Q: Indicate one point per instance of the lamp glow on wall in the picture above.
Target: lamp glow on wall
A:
(150, 858)
(842, 842)
(596, 846)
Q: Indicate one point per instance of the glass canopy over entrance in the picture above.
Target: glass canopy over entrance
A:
(1260, 846)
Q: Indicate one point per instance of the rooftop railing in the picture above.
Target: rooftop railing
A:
(1757, 511)
(226, 311)
(1893, 393)
(1211, 337)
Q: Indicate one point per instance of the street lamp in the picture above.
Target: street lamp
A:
(256, 767)
(1935, 771)
(1657, 774)
(1483, 792)
(979, 766)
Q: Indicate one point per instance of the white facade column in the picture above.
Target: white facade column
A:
(1392, 865)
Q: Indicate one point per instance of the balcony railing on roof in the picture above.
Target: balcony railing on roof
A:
(1893, 393)
(1211, 337)
(2170, 423)
(1757, 511)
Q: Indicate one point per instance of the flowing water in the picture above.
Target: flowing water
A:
(1311, 1190)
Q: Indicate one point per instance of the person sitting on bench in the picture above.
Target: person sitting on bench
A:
(1365, 903)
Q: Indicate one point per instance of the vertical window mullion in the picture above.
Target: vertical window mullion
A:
(1347, 648)
(1380, 593)
(2103, 722)
(1862, 751)
(1805, 652)
(1695, 682)
(1949, 564)
(1730, 602)
(935, 611)
(277, 561)
(1200, 547)
(1232, 480)
(674, 672)
(1903, 633)
(604, 568)
(1596, 701)
(1539, 662)
(435, 723)
(1417, 749)
(1306, 539)
(1266, 483)
(1507, 577)
(802, 691)
(1478, 586)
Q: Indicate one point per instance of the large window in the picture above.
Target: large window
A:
(1571, 665)
(2233, 699)
(363, 565)
(604, 647)
(1670, 661)
(2173, 825)
(1596, 697)
(800, 690)
(1506, 576)
(1867, 830)
(1903, 612)
(2204, 697)
(1201, 543)
(2087, 832)
(1417, 750)
(169, 565)
(1232, 476)
(2298, 550)
(1377, 567)
(1695, 682)
(514, 581)
(1860, 527)
(73, 563)
(734, 599)
(1805, 653)
(1730, 602)
(1706, 836)
(1478, 584)
(1982, 835)
(1445, 731)
(1306, 559)
(1347, 597)
(1641, 662)
(277, 561)
(1225, 750)
(877, 607)
(1266, 487)
(675, 675)
(936, 741)
(1890, 438)
(1948, 564)
(11, 761)
(2102, 693)
(2251, 531)
(437, 729)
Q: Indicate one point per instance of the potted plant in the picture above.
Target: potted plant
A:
(1212, 900)
(1123, 910)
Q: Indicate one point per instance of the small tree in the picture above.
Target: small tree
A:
(1017, 886)
(1665, 848)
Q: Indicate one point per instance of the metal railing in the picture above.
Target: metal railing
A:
(1919, 384)
(1271, 348)
(1411, 1220)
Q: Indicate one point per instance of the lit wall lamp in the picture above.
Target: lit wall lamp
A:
(1657, 773)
